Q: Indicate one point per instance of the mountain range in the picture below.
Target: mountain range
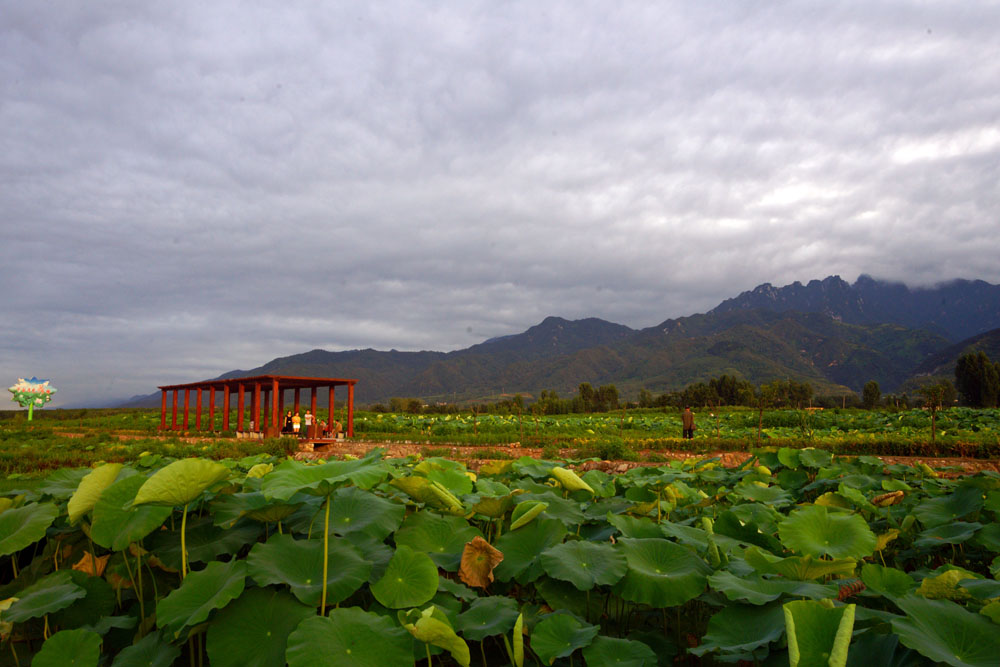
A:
(832, 334)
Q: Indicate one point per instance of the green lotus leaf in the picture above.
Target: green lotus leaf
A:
(739, 629)
(259, 470)
(292, 477)
(886, 581)
(105, 624)
(99, 602)
(117, 522)
(410, 580)
(349, 636)
(428, 492)
(490, 487)
(457, 590)
(253, 630)
(815, 531)
(584, 564)
(200, 594)
(205, 541)
(951, 533)
(564, 596)
(945, 509)
(818, 634)
(274, 512)
(943, 631)
(564, 509)
(856, 497)
(356, 510)
(522, 549)
(814, 458)
(47, 595)
(633, 526)
(150, 651)
(728, 524)
(374, 551)
(455, 480)
(180, 482)
(23, 526)
(797, 567)
(992, 611)
(981, 589)
(625, 652)
(299, 565)
(63, 482)
(788, 457)
(441, 537)
(661, 573)
(558, 635)
(772, 495)
(90, 489)
(487, 617)
(525, 512)
(831, 499)
(602, 483)
(757, 590)
(432, 627)
(69, 647)
(946, 584)
(989, 537)
(871, 648)
(494, 507)
(570, 480)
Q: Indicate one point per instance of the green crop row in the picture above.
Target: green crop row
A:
(796, 557)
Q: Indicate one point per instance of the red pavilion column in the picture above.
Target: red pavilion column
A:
(350, 410)
(187, 406)
(197, 410)
(330, 419)
(173, 413)
(275, 408)
(211, 408)
(163, 409)
(225, 407)
(241, 393)
(312, 408)
(256, 405)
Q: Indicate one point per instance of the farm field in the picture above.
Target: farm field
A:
(140, 553)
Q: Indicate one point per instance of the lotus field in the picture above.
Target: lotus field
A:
(796, 557)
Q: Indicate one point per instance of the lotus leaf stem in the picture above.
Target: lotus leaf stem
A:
(326, 554)
(184, 555)
(13, 564)
(13, 650)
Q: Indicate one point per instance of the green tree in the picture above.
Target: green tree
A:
(586, 394)
(977, 379)
(870, 395)
(936, 395)
(646, 398)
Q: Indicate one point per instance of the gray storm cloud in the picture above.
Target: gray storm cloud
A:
(189, 188)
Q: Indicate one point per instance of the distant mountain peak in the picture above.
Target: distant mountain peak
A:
(958, 309)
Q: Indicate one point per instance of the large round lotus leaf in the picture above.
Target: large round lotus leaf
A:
(817, 634)
(558, 635)
(814, 458)
(943, 631)
(299, 565)
(981, 589)
(951, 533)
(69, 647)
(441, 537)
(661, 573)
(253, 630)
(584, 564)
(355, 510)
(291, 477)
(428, 492)
(487, 617)
(696, 538)
(99, 602)
(739, 629)
(946, 509)
(624, 652)
(410, 580)
(522, 548)
(117, 523)
(200, 594)
(374, 551)
(205, 541)
(150, 651)
(871, 648)
(180, 482)
(886, 580)
(772, 495)
(24, 526)
(989, 537)
(757, 590)
(745, 531)
(63, 482)
(788, 457)
(349, 636)
(816, 531)
(90, 489)
(635, 526)
(493, 506)
(456, 481)
(797, 567)
(47, 595)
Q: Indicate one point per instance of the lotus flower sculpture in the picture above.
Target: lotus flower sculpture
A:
(31, 392)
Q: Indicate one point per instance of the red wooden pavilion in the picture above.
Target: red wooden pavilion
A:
(266, 394)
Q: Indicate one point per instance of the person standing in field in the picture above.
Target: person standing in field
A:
(309, 424)
(296, 423)
(687, 423)
(288, 422)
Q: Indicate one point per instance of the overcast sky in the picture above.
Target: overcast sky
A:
(187, 188)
